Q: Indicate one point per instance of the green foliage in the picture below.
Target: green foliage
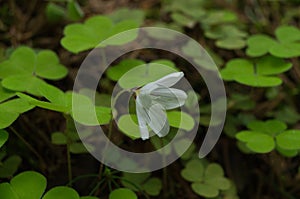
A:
(3, 137)
(128, 123)
(71, 11)
(10, 111)
(80, 37)
(220, 25)
(142, 182)
(264, 137)
(8, 164)
(135, 73)
(122, 193)
(286, 46)
(31, 185)
(257, 74)
(207, 180)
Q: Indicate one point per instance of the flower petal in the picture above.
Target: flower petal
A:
(158, 120)
(169, 80)
(169, 98)
(143, 119)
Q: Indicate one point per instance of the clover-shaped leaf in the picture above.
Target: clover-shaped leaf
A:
(10, 111)
(128, 14)
(61, 193)
(135, 73)
(5, 93)
(259, 45)
(142, 182)
(80, 37)
(289, 139)
(265, 136)
(3, 137)
(27, 185)
(228, 36)
(24, 61)
(9, 166)
(129, 126)
(206, 181)
(31, 185)
(257, 141)
(287, 44)
(79, 106)
(259, 74)
(123, 193)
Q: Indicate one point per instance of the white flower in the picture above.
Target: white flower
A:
(153, 100)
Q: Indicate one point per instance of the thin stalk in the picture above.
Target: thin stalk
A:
(28, 145)
(81, 177)
(69, 163)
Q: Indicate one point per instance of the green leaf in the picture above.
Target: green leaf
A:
(117, 71)
(286, 152)
(3, 137)
(180, 120)
(21, 62)
(6, 191)
(258, 75)
(74, 12)
(23, 83)
(285, 50)
(289, 140)
(84, 111)
(122, 193)
(205, 190)
(272, 127)
(10, 166)
(258, 81)
(128, 125)
(10, 110)
(16, 106)
(183, 20)
(259, 45)
(54, 12)
(5, 93)
(128, 14)
(7, 118)
(61, 193)
(153, 186)
(213, 170)
(236, 67)
(48, 67)
(231, 43)
(193, 171)
(257, 141)
(29, 185)
(143, 74)
(25, 62)
(81, 37)
(45, 105)
(58, 138)
(287, 114)
(270, 65)
(287, 34)
(79, 148)
(53, 94)
(218, 182)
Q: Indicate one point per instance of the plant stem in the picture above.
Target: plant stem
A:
(28, 145)
(69, 163)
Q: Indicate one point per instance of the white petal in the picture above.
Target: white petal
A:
(143, 118)
(158, 120)
(169, 80)
(169, 98)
